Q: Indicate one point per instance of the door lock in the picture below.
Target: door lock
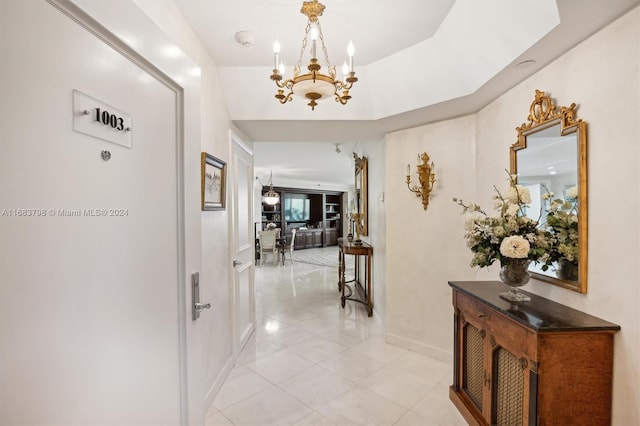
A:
(196, 306)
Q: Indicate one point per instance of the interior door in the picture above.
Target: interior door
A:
(243, 244)
(89, 253)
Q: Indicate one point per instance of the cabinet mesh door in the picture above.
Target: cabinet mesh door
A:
(508, 388)
(472, 357)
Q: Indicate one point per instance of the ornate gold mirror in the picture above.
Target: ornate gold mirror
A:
(361, 197)
(550, 159)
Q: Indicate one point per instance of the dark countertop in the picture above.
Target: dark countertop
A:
(540, 314)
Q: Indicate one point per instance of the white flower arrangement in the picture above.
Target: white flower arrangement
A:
(508, 233)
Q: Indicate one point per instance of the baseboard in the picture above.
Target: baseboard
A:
(379, 320)
(224, 373)
(218, 382)
(422, 348)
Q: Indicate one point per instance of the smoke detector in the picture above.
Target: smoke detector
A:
(245, 38)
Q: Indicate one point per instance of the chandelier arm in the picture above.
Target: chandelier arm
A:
(341, 85)
(280, 85)
(286, 98)
(344, 98)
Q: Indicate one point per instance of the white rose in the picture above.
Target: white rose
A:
(518, 190)
(572, 192)
(515, 247)
(512, 209)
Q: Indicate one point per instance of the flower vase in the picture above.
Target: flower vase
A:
(567, 270)
(515, 273)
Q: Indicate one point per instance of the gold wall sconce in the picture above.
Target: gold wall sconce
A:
(426, 176)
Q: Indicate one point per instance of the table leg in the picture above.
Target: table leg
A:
(340, 269)
(342, 284)
(368, 278)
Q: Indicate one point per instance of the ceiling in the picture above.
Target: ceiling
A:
(314, 165)
(422, 62)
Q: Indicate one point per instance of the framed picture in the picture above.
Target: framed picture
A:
(213, 182)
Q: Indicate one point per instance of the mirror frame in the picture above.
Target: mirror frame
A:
(361, 176)
(542, 115)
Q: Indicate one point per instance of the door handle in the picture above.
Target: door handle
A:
(202, 306)
(196, 306)
(236, 263)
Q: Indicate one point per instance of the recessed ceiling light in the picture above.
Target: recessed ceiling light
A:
(525, 64)
(172, 51)
(553, 172)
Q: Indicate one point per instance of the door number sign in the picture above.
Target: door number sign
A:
(95, 118)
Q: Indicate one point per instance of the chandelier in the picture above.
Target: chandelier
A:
(270, 197)
(314, 85)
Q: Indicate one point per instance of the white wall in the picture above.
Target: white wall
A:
(425, 249)
(601, 75)
(376, 225)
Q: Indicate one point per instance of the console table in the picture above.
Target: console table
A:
(347, 247)
(532, 363)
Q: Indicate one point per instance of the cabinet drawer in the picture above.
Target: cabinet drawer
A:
(473, 310)
(499, 328)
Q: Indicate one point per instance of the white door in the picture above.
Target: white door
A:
(243, 244)
(89, 249)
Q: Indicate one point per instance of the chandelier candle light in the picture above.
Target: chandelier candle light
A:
(314, 85)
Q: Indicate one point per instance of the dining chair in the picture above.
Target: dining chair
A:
(268, 246)
(289, 247)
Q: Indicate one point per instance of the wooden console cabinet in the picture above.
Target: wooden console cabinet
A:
(534, 363)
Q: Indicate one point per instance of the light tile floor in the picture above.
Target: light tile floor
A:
(310, 362)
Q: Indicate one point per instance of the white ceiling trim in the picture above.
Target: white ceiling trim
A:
(475, 42)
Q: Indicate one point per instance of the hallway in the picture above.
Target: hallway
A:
(311, 362)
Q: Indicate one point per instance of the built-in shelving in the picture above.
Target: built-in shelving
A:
(271, 214)
(317, 216)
